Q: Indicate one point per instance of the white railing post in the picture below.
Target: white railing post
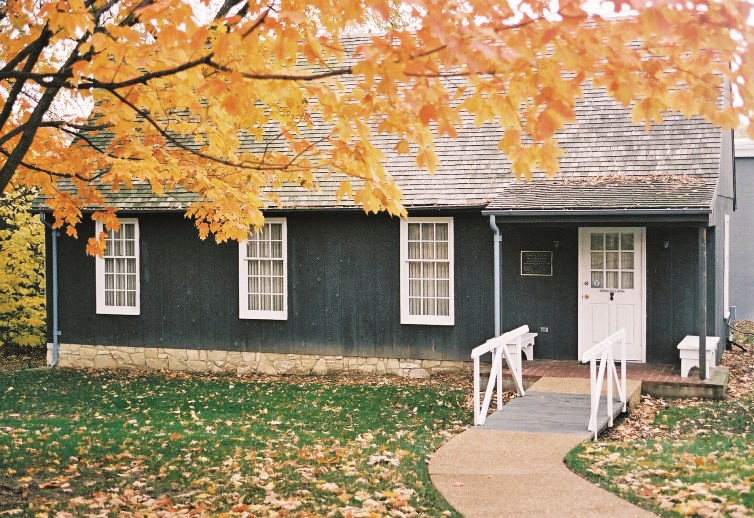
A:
(623, 369)
(477, 373)
(604, 350)
(500, 384)
(497, 346)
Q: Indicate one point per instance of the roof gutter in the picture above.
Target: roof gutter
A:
(695, 216)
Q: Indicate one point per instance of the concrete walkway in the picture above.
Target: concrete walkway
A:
(494, 472)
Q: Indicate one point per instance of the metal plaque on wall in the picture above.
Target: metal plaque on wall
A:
(536, 263)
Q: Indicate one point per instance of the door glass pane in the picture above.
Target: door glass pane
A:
(598, 260)
(597, 280)
(627, 260)
(611, 280)
(597, 241)
(627, 241)
(627, 280)
(611, 241)
(611, 260)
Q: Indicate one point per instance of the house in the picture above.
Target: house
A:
(741, 243)
(629, 235)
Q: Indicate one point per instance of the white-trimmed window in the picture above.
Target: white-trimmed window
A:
(263, 273)
(117, 271)
(427, 271)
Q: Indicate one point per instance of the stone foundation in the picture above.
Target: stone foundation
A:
(196, 360)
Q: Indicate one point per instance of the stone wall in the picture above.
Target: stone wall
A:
(193, 360)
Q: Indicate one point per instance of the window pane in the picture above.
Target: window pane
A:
(131, 298)
(428, 270)
(277, 303)
(598, 260)
(414, 270)
(627, 280)
(443, 307)
(109, 266)
(443, 271)
(428, 288)
(428, 231)
(120, 298)
(627, 260)
(131, 265)
(275, 231)
(117, 247)
(443, 288)
(414, 306)
(428, 306)
(277, 268)
(110, 298)
(414, 288)
(277, 285)
(130, 282)
(413, 250)
(276, 249)
(611, 241)
(627, 241)
(441, 231)
(441, 250)
(612, 280)
(597, 241)
(109, 281)
(428, 250)
(128, 230)
(611, 260)
(413, 231)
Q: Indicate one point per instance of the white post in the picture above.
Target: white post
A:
(476, 389)
(611, 369)
(500, 383)
(623, 369)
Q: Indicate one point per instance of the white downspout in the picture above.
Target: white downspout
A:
(497, 242)
(55, 329)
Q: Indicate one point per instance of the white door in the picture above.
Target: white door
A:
(611, 287)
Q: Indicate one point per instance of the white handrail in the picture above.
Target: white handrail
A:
(497, 346)
(604, 351)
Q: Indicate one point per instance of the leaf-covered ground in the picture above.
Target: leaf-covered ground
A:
(684, 457)
(105, 443)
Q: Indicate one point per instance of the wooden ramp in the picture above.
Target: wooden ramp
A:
(555, 405)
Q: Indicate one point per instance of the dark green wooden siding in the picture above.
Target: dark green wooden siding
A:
(343, 291)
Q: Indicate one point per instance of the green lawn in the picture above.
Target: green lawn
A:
(689, 458)
(88, 442)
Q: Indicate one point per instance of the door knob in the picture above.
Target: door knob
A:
(586, 296)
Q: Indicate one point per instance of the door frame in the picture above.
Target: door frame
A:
(642, 311)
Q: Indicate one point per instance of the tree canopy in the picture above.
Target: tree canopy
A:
(231, 99)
